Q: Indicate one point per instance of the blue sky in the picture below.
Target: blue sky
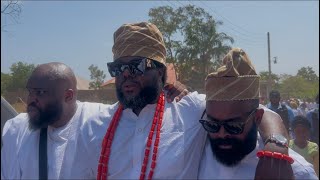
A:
(80, 33)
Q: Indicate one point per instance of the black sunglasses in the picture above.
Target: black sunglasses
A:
(136, 66)
(231, 126)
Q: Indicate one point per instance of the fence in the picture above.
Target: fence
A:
(107, 96)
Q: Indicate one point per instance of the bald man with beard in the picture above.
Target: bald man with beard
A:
(49, 129)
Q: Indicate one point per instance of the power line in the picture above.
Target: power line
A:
(227, 20)
(258, 39)
(244, 37)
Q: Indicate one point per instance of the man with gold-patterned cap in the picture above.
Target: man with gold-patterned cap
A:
(143, 136)
(232, 118)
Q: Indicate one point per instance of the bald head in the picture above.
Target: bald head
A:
(52, 95)
(55, 72)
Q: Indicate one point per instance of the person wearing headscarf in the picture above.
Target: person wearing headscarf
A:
(232, 118)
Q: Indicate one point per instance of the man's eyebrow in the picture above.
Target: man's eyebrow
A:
(29, 88)
(227, 120)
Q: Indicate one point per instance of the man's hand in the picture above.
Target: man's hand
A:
(271, 168)
(175, 91)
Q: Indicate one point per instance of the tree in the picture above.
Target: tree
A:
(264, 76)
(5, 80)
(168, 21)
(11, 9)
(97, 76)
(298, 87)
(20, 72)
(201, 47)
(308, 74)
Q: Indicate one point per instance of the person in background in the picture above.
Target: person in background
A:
(313, 117)
(303, 109)
(294, 107)
(301, 144)
(284, 111)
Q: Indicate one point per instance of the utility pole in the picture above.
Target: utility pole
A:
(269, 63)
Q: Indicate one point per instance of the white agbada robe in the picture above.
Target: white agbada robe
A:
(211, 168)
(20, 151)
(182, 140)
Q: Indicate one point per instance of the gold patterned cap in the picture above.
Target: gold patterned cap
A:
(139, 39)
(236, 79)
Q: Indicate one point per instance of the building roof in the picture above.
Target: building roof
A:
(110, 81)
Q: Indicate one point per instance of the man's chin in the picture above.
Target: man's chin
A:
(35, 122)
(34, 118)
(130, 97)
(227, 157)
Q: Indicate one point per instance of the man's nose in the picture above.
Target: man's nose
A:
(126, 73)
(222, 133)
(31, 98)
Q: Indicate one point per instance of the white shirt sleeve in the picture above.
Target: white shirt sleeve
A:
(191, 108)
(10, 167)
(301, 168)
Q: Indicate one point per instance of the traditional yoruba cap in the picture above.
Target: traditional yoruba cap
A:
(139, 39)
(235, 80)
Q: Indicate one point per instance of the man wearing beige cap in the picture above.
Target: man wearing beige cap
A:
(143, 136)
(232, 118)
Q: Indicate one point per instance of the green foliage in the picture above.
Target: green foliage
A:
(298, 87)
(200, 47)
(5, 80)
(304, 85)
(264, 75)
(168, 21)
(97, 76)
(20, 74)
(308, 74)
(17, 79)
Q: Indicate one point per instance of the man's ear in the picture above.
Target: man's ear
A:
(69, 95)
(259, 115)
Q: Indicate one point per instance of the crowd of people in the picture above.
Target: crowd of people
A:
(222, 134)
(302, 123)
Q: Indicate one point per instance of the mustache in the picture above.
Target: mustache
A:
(227, 141)
(129, 80)
(32, 105)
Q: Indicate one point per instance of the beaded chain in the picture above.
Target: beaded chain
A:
(108, 138)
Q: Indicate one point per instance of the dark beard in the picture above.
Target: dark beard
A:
(47, 116)
(147, 95)
(231, 157)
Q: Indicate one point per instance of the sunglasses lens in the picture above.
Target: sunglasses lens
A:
(112, 69)
(135, 67)
(234, 127)
(211, 126)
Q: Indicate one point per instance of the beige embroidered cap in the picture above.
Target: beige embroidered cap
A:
(139, 39)
(236, 79)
